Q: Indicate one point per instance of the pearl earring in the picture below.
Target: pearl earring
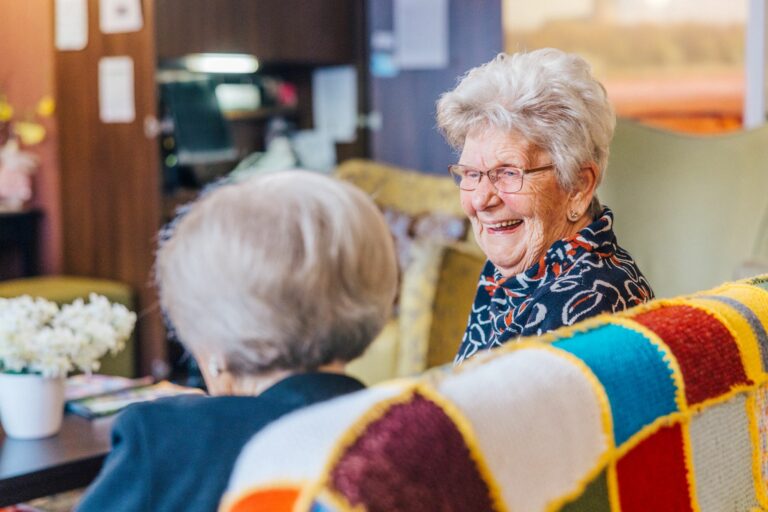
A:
(213, 368)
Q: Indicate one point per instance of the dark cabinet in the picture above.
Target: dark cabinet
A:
(312, 32)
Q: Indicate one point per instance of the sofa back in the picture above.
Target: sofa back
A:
(662, 407)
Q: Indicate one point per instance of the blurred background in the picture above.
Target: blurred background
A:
(113, 113)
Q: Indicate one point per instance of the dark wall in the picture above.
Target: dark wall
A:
(408, 137)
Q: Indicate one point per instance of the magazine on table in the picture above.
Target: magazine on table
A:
(94, 396)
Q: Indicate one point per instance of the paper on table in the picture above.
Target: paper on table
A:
(82, 386)
(116, 102)
(71, 24)
(334, 101)
(118, 16)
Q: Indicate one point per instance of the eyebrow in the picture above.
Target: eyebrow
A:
(503, 164)
(507, 164)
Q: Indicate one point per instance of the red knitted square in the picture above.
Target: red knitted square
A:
(652, 475)
(706, 352)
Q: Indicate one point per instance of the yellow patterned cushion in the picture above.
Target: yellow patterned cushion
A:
(439, 275)
(437, 292)
(408, 191)
(456, 285)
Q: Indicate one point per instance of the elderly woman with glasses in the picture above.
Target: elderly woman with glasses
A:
(533, 131)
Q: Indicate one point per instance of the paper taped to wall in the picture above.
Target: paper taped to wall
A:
(116, 100)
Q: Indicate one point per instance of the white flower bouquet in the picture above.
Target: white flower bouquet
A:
(37, 336)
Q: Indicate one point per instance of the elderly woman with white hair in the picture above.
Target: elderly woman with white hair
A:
(273, 284)
(533, 131)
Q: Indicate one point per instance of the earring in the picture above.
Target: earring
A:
(213, 368)
(574, 215)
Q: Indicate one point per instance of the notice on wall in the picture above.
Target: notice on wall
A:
(119, 16)
(382, 62)
(71, 21)
(421, 34)
(116, 99)
(334, 102)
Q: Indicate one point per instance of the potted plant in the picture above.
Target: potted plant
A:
(40, 343)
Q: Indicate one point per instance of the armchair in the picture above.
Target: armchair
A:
(692, 210)
(439, 268)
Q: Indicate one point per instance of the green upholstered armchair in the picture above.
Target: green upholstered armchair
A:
(438, 274)
(692, 210)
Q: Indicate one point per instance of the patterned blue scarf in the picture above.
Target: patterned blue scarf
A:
(578, 277)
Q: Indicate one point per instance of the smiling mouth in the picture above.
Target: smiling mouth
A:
(504, 226)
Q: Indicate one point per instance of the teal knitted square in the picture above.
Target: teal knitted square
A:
(638, 381)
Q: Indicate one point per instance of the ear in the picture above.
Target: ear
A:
(584, 189)
(217, 379)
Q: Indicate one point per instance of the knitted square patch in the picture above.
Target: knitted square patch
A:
(297, 446)
(722, 457)
(275, 500)
(761, 281)
(744, 322)
(761, 411)
(393, 464)
(708, 356)
(652, 475)
(318, 506)
(541, 405)
(593, 499)
(633, 372)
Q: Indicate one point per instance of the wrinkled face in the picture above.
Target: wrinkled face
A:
(514, 230)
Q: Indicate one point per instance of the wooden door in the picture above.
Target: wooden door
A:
(109, 172)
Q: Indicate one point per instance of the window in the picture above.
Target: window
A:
(677, 64)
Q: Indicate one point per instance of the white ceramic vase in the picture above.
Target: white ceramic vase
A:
(31, 406)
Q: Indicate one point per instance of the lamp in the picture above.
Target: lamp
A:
(224, 63)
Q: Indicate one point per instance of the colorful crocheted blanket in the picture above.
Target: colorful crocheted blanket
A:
(663, 407)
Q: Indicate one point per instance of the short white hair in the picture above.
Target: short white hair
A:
(289, 270)
(548, 96)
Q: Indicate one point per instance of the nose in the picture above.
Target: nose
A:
(485, 195)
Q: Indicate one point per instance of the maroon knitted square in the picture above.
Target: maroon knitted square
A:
(708, 356)
(652, 475)
(411, 459)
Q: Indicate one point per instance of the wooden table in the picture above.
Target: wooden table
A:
(69, 460)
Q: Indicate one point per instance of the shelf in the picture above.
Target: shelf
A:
(261, 113)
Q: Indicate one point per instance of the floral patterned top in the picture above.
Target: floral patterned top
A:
(579, 277)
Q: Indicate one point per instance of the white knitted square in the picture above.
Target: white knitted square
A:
(537, 420)
(722, 457)
(761, 410)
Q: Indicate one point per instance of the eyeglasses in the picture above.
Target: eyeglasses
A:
(507, 179)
